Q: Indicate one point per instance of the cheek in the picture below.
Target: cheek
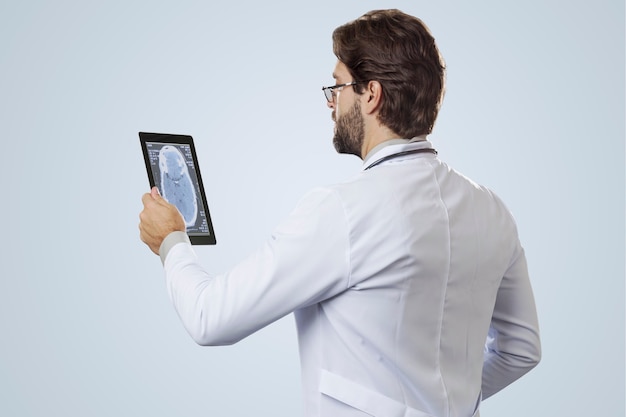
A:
(337, 105)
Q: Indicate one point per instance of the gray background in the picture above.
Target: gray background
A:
(534, 109)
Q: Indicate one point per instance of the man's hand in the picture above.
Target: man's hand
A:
(158, 219)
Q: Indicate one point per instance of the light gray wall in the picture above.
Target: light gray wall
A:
(534, 109)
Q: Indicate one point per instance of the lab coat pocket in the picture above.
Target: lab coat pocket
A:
(364, 399)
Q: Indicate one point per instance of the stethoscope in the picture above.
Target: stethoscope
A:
(399, 154)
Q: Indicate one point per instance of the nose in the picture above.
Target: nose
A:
(331, 104)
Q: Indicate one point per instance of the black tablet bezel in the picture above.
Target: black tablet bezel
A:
(196, 238)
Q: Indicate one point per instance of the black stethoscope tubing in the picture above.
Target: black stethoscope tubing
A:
(396, 155)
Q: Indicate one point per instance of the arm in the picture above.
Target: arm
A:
(305, 261)
(513, 347)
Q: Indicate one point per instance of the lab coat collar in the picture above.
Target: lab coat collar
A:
(392, 146)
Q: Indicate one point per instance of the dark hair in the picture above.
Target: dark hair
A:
(399, 52)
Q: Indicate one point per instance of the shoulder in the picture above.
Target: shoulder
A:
(320, 210)
(320, 198)
(334, 196)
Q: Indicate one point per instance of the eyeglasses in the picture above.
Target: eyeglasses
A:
(330, 94)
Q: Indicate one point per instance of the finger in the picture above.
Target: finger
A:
(155, 194)
(142, 232)
(147, 238)
(146, 198)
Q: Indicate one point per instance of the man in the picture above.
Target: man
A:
(408, 282)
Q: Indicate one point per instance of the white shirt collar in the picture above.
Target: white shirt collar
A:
(392, 146)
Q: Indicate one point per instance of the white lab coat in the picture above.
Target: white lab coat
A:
(397, 278)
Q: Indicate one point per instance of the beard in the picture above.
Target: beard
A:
(350, 131)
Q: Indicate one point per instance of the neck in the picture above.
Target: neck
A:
(374, 137)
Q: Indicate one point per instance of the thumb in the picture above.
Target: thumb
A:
(154, 192)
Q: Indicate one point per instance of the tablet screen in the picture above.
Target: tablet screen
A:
(172, 166)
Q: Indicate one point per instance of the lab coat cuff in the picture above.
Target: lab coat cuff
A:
(170, 241)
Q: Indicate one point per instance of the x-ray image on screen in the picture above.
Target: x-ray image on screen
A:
(176, 184)
(175, 176)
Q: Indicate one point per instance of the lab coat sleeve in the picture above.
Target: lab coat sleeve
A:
(513, 346)
(305, 260)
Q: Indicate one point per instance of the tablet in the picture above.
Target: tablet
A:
(172, 166)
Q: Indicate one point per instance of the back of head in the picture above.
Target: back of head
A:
(398, 51)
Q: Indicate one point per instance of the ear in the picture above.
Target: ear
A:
(372, 97)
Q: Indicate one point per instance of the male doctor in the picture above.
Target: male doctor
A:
(408, 281)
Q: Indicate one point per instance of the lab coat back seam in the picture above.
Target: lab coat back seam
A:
(349, 229)
(406, 284)
(447, 275)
